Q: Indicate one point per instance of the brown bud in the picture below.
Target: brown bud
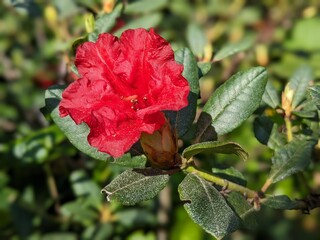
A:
(161, 148)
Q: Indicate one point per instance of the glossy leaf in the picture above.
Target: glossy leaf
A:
(132, 187)
(215, 147)
(207, 207)
(182, 120)
(234, 101)
(290, 159)
(280, 202)
(77, 134)
(234, 48)
(298, 84)
(271, 96)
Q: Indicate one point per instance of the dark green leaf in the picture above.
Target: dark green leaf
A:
(207, 207)
(271, 96)
(244, 210)
(234, 48)
(144, 6)
(299, 83)
(105, 22)
(304, 114)
(132, 162)
(234, 101)
(196, 39)
(215, 147)
(291, 158)
(280, 202)
(262, 127)
(82, 185)
(59, 236)
(182, 120)
(231, 174)
(132, 187)
(77, 134)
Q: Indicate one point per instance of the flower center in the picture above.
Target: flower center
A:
(137, 102)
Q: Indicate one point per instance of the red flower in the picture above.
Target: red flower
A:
(125, 84)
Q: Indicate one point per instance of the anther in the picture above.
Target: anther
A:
(145, 98)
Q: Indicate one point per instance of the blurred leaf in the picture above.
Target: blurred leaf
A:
(144, 6)
(305, 35)
(298, 84)
(131, 187)
(105, 22)
(81, 210)
(280, 202)
(82, 185)
(244, 210)
(231, 174)
(98, 232)
(132, 162)
(291, 158)
(196, 39)
(234, 48)
(182, 119)
(271, 96)
(207, 207)
(304, 114)
(135, 217)
(314, 93)
(59, 236)
(141, 235)
(262, 127)
(234, 101)
(215, 147)
(147, 21)
(77, 134)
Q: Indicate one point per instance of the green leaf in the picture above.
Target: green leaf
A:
(234, 48)
(183, 119)
(314, 93)
(83, 185)
(147, 21)
(271, 96)
(215, 147)
(231, 174)
(132, 162)
(132, 187)
(234, 101)
(207, 207)
(299, 83)
(59, 236)
(262, 127)
(280, 202)
(204, 68)
(291, 158)
(144, 6)
(276, 139)
(244, 209)
(105, 22)
(196, 39)
(77, 134)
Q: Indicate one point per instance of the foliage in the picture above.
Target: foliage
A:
(254, 94)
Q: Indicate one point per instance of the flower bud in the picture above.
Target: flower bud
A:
(161, 148)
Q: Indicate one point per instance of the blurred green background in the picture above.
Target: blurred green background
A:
(49, 190)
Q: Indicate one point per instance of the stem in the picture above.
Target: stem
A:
(266, 185)
(289, 128)
(222, 182)
(52, 186)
